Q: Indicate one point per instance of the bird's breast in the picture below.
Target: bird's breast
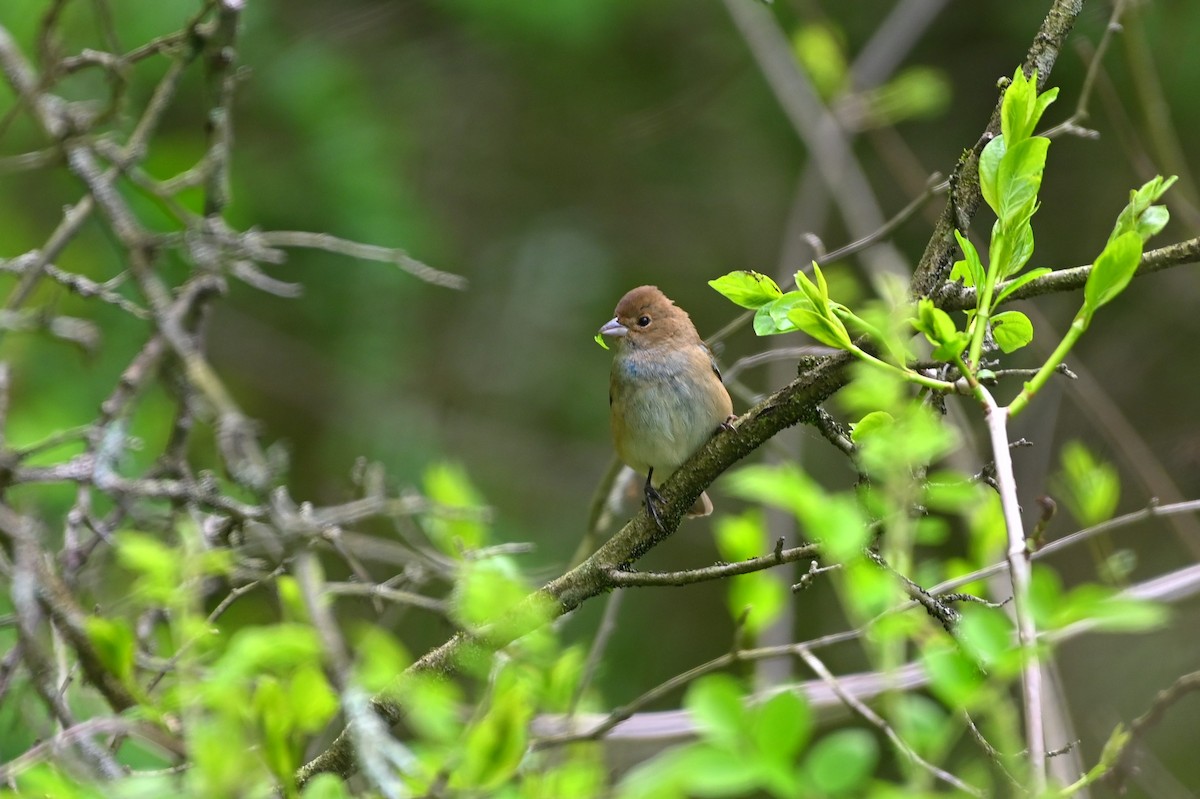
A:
(665, 405)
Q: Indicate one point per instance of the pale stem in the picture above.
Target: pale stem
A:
(1019, 569)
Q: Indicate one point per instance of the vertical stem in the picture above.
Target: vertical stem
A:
(1020, 573)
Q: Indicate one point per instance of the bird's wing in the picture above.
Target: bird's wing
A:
(712, 360)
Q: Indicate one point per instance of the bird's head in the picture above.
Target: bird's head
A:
(645, 317)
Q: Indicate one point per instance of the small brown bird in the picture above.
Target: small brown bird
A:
(665, 393)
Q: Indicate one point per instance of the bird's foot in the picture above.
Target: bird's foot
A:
(729, 420)
(653, 500)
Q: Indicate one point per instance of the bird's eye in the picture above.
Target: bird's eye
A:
(643, 321)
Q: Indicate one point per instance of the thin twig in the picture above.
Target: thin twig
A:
(878, 722)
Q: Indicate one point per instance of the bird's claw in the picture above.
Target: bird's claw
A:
(653, 500)
(729, 420)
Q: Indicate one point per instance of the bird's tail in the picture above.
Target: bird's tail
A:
(703, 507)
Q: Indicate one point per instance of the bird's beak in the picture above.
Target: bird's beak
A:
(614, 329)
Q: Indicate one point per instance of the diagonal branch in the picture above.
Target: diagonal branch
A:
(796, 402)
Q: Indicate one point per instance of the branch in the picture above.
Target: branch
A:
(1144, 723)
(627, 723)
(956, 297)
(619, 578)
(875, 719)
(792, 404)
(965, 194)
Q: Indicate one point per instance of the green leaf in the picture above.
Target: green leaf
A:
(1090, 487)
(487, 590)
(935, 323)
(1017, 109)
(325, 786)
(716, 703)
(820, 48)
(922, 723)
(277, 648)
(1046, 596)
(1141, 215)
(432, 705)
(1017, 282)
(448, 486)
(915, 93)
(380, 659)
(949, 350)
(843, 530)
(782, 725)
(954, 677)
(782, 486)
(1153, 221)
(1023, 107)
(989, 170)
(1019, 179)
(1112, 271)
(825, 329)
(1127, 615)
(870, 425)
(275, 718)
(114, 643)
(739, 537)
(1012, 330)
(939, 328)
(714, 771)
(772, 318)
(757, 599)
(748, 289)
(987, 637)
(817, 293)
(1043, 102)
(842, 761)
(562, 680)
(972, 272)
(311, 698)
(1020, 249)
(495, 746)
(600, 341)
(158, 565)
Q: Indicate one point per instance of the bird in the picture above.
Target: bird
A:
(665, 397)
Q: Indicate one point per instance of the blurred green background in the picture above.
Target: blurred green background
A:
(558, 154)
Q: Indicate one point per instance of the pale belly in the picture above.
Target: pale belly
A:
(666, 415)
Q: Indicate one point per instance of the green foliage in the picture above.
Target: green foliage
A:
(755, 747)
(748, 289)
(842, 762)
(1090, 488)
(757, 597)
(495, 744)
(954, 677)
(248, 690)
(1101, 607)
(1012, 331)
(380, 659)
(325, 786)
(114, 643)
(820, 49)
(841, 525)
(1141, 215)
(918, 92)
(1111, 272)
(939, 329)
(457, 527)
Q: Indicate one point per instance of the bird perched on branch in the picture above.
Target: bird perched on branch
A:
(665, 394)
